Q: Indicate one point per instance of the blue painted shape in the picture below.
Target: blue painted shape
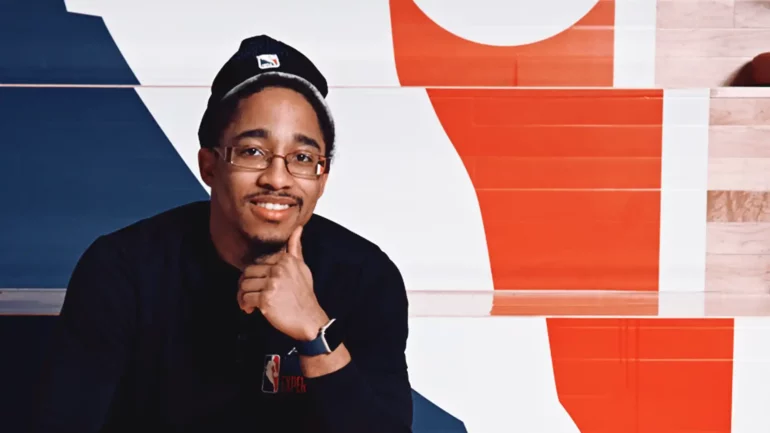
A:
(77, 163)
(429, 418)
(42, 43)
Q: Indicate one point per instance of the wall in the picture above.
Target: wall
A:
(596, 198)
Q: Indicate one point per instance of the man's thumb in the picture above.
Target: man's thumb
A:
(295, 243)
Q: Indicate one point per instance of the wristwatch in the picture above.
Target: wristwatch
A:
(329, 338)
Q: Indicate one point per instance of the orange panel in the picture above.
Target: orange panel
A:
(507, 172)
(572, 239)
(557, 107)
(428, 55)
(538, 236)
(576, 255)
(551, 141)
(560, 207)
(644, 375)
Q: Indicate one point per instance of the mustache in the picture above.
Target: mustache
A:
(256, 195)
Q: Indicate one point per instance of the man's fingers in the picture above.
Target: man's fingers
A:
(250, 301)
(250, 293)
(294, 246)
(257, 271)
(253, 284)
(253, 292)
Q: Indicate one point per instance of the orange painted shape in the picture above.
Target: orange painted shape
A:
(514, 173)
(579, 255)
(547, 227)
(642, 141)
(560, 108)
(644, 375)
(572, 239)
(551, 123)
(428, 55)
(560, 207)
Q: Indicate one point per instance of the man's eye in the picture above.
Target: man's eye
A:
(251, 151)
(306, 158)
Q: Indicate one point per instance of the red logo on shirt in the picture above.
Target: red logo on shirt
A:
(271, 374)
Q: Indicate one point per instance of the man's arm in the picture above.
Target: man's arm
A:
(368, 390)
(89, 346)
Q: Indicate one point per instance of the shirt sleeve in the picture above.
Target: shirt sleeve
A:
(372, 393)
(89, 346)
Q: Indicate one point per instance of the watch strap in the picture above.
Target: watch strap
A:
(325, 342)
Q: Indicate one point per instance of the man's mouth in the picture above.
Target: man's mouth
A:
(273, 206)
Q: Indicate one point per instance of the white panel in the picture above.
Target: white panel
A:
(452, 303)
(506, 22)
(683, 198)
(751, 375)
(85, 7)
(181, 42)
(495, 373)
(397, 181)
(178, 112)
(635, 43)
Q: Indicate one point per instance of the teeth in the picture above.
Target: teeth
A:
(273, 206)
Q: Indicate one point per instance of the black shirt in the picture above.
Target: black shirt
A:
(150, 338)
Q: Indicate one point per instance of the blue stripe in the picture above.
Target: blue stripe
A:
(41, 43)
(429, 418)
(78, 163)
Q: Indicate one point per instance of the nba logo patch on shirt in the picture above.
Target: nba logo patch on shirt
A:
(268, 61)
(271, 374)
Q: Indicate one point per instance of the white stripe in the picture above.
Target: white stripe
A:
(751, 375)
(177, 111)
(83, 7)
(635, 43)
(495, 374)
(683, 199)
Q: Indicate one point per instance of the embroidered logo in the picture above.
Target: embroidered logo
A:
(271, 374)
(268, 61)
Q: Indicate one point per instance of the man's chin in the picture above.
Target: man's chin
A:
(264, 244)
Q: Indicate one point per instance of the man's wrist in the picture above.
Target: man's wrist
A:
(314, 325)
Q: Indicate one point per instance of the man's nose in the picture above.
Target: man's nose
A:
(276, 175)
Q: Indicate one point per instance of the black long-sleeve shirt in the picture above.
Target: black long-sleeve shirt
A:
(150, 338)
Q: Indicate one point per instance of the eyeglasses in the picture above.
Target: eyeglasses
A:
(300, 163)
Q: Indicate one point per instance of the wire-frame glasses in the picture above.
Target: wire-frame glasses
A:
(300, 163)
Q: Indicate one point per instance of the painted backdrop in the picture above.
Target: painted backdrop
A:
(537, 159)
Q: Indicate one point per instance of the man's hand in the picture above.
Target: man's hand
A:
(282, 289)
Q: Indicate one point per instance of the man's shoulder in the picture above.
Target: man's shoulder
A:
(168, 226)
(342, 241)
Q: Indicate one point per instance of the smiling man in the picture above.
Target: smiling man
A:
(247, 312)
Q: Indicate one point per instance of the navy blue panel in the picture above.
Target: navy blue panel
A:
(77, 163)
(429, 418)
(42, 43)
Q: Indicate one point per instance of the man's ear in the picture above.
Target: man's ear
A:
(207, 160)
(322, 180)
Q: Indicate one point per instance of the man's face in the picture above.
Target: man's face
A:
(267, 205)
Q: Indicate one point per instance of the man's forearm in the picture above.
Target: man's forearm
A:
(321, 365)
(352, 402)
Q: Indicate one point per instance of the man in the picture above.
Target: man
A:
(246, 312)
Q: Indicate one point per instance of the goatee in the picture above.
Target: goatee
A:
(260, 248)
